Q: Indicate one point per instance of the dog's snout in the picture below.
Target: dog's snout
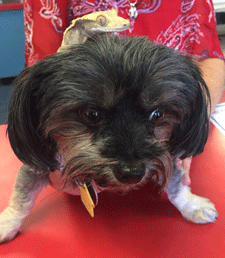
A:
(130, 173)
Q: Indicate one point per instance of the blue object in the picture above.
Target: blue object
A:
(12, 43)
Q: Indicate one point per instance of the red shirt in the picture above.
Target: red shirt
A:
(185, 25)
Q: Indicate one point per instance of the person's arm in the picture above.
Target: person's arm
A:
(213, 72)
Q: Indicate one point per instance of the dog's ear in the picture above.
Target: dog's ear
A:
(190, 137)
(26, 138)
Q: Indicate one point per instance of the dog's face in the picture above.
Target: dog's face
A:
(118, 109)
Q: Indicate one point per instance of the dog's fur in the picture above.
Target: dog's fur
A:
(118, 111)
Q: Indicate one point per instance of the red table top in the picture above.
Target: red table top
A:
(140, 224)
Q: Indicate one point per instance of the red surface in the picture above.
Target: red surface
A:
(140, 224)
(8, 7)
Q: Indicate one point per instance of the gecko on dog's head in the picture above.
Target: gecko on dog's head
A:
(113, 110)
(92, 24)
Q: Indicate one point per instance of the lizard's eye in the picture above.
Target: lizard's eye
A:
(101, 20)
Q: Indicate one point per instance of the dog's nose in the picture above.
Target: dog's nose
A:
(130, 174)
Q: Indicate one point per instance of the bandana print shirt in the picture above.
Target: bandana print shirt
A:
(185, 25)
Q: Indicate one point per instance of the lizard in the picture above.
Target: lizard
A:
(91, 24)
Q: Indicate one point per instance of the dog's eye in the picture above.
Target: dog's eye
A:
(157, 116)
(90, 115)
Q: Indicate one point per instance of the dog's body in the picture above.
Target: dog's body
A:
(117, 111)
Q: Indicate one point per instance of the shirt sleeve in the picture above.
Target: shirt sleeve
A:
(207, 43)
(44, 23)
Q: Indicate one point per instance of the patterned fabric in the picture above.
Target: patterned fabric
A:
(185, 25)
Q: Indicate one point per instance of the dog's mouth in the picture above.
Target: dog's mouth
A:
(130, 177)
(120, 176)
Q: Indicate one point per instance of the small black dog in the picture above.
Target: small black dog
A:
(114, 111)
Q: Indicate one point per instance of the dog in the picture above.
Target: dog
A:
(115, 111)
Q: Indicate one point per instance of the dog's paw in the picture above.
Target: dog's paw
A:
(199, 210)
(9, 225)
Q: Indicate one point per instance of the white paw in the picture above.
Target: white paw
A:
(9, 225)
(199, 210)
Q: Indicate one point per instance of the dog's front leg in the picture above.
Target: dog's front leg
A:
(28, 185)
(194, 208)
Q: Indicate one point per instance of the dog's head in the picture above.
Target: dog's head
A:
(118, 109)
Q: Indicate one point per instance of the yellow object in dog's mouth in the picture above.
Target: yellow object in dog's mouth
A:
(86, 199)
